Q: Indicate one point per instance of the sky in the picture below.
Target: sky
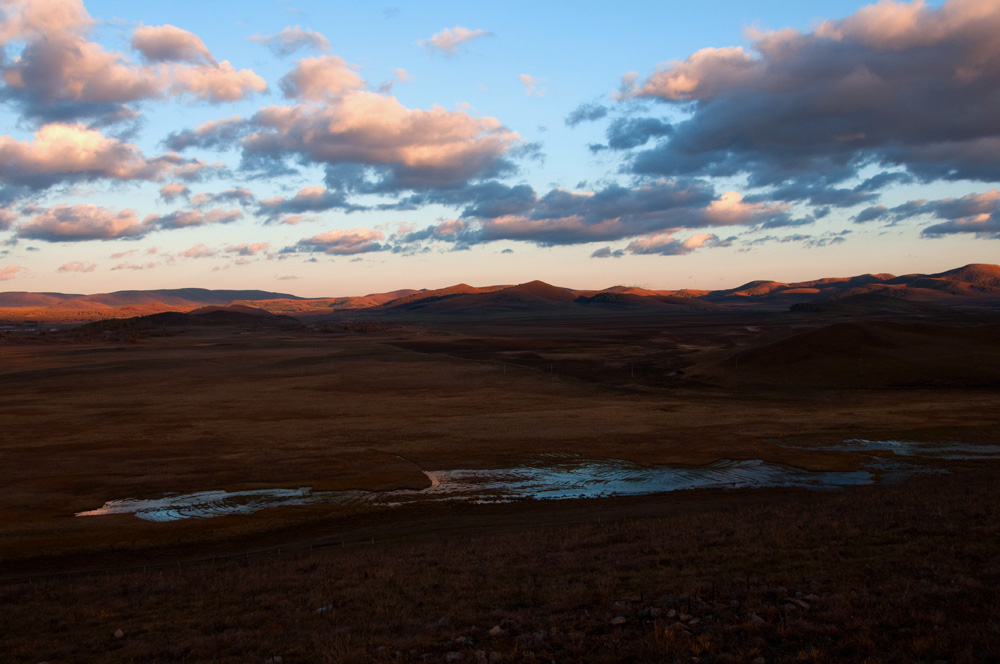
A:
(344, 148)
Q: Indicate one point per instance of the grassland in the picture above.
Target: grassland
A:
(888, 573)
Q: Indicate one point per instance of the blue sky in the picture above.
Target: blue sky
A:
(336, 149)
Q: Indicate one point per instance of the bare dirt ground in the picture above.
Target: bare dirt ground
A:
(369, 405)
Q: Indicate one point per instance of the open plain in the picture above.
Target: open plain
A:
(376, 401)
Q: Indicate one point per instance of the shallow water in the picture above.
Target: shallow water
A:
(909, 448)
(545, 480)
(554, 477)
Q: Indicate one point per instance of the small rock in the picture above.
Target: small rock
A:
(759, 660)
(497, 630)
(481, 657)
(119, 634)
(684, 617)
(789, 606)
(649, 613)
(463, 641)
(754, 618)
(453, 656)
(274, 660)
(694, 621)
(495, 657)
(802, 605)
(811, 598)
(619, 620)
(671, 613)
(324, 609)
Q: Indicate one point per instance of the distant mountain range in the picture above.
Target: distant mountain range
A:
(970, 285)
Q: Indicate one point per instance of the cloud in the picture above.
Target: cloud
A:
(189, 218)
(215, 134)
(343, 242)
(291, 39)
(59, 75)
(978, 214)
(172, 191)
(628, 133)
(320, 79)
(76, 223)
(563, 217)
(168, 43)
(667, 245)
(77, 266)
(308, 199)
(449, 40)
(72, 152)
(404, 148)
(606, 252)
(134, 266)
(902, 85)
(586, 112)
(7, 218)
(197, 251)
(11, 272)
(245, 249)
(240, 195)
(530, 84)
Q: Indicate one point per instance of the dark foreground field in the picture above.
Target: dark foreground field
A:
(890, 572)
(901, 574)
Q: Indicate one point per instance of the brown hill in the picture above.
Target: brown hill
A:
(231, 308)
(531, 296)
(980, 274)
(25, 299)
(871, 354)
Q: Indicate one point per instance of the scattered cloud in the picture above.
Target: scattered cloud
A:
(168, 43)
(309, 199)
(292, 39)
(320, 79)
(448, 41)
(343, 242)
(586, 112)
(530, 84)
(73, 153)
(75, 223)
(11, 272)
(60, 75)
(896, 84)
(174, 190)
(77, 266)
(189, 218)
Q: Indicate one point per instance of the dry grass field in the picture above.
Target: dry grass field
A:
(901, 573)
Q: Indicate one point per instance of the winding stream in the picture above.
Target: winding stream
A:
(561, 477)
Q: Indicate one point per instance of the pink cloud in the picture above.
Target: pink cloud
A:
(63, 223)
(197, 251)
(245, 249)
(11, 272)
(343, 242)
(77, 266)
(61, 72)
(174, 190)
(188, 218)
(729, 210)
(320, 78)
(169, 43)
(422, 147)
(74, 152)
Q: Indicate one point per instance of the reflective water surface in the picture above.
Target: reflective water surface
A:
(554, 477)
